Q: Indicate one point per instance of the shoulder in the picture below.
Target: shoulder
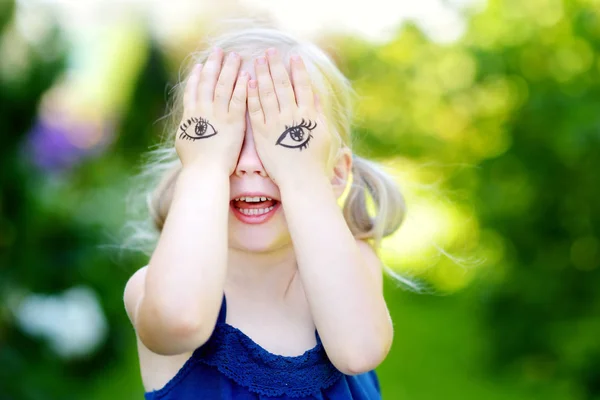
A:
(371, 259)
(134, 289)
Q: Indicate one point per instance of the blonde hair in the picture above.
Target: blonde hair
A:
(335, 96)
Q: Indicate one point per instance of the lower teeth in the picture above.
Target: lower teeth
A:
(255, 211)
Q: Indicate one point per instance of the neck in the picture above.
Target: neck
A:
(264, 276)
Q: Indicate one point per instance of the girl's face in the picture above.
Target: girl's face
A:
(255, 226)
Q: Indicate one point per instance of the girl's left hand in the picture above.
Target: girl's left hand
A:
(290, 132)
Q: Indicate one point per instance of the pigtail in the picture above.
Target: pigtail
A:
(389, 203)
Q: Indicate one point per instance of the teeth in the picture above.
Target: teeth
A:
(255, 211)
(255, 199)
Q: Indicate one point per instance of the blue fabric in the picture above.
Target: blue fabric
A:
(230, 365)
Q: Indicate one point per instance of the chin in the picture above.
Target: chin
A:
(259, 238)
(259, 242)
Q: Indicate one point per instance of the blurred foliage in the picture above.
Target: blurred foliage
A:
(503, 125)
(519, 97)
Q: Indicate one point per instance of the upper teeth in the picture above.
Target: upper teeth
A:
(253, 199)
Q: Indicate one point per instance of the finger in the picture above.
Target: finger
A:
(226, 81)
(302, 84)
(281, 80)
(255, 110)
(237, 106)
(209, 75)
(266, 91)
(191, 88)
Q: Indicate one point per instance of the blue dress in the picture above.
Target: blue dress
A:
(230, 365)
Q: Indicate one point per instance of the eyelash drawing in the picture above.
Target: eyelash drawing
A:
(297, 134)
(202, 129)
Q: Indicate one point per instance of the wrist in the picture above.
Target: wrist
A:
(200, 174)
(194, 183)
(303, 183)
(205, 167)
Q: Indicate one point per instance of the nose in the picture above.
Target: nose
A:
(249, 163)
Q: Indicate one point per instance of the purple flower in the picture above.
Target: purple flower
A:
(57, 143)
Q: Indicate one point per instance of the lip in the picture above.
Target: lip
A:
(254, 219)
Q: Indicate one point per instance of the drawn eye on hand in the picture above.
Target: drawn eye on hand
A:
(202, 129)
(295, 136)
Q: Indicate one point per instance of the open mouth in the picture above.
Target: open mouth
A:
(255, 209)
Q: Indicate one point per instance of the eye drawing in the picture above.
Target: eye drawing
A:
(202, 129)
(295, 136)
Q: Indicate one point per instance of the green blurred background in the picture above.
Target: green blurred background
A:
(493, 135)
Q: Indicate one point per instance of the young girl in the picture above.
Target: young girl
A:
(260, 285)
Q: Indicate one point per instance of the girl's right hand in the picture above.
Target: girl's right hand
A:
(214, 103)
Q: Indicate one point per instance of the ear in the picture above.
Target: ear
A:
(341, 171)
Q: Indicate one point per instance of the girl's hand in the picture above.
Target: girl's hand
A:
(290, 132)
(212, 129)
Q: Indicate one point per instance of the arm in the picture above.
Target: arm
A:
(183, 289)
(341, 276)
(184, 282)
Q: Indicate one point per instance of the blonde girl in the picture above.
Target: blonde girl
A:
(260, 285)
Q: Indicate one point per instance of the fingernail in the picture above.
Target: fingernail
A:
(272, 51)
(252, 84)
(232, 55)
(296, 58)
(261, 60)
